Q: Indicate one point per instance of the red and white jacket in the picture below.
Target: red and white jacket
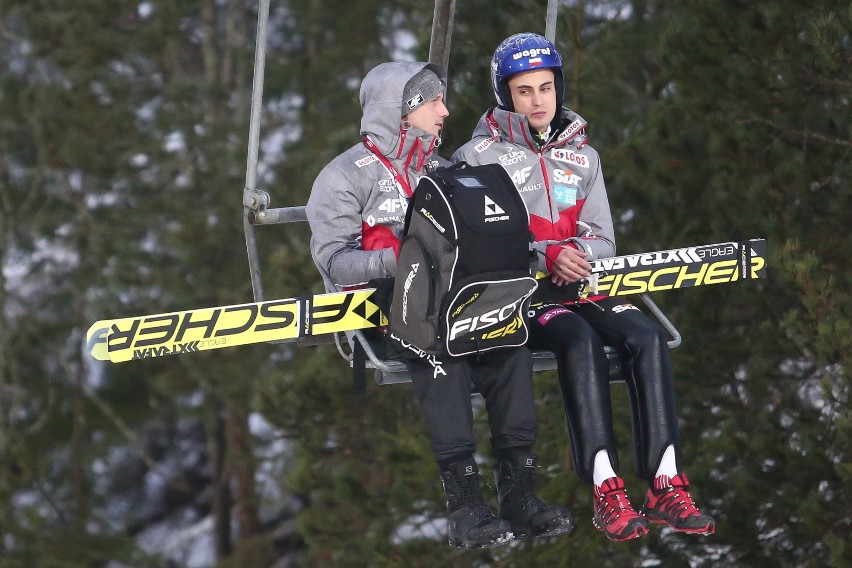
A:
(561, 182)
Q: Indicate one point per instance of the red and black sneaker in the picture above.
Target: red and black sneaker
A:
(669, 502)
(613, 513)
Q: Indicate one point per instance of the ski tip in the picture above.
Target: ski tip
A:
(96, 341)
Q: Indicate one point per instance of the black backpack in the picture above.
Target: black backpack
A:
(463, 278)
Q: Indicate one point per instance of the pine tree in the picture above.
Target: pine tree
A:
(745, 135)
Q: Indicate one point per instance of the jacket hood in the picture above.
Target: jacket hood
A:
(381, 101)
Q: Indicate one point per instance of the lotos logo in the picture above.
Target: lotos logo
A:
(570, 156)
(572, 130)
(482, 146)
(365, 161)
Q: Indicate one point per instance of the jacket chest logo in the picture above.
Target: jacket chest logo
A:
(565, 195)
(366, 161)
(512, 157)
(567, 177)
(570, 157)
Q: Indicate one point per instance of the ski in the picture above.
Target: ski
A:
(719, 263)
(203, 329)
(288, 319)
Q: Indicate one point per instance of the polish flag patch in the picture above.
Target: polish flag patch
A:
(535, 61)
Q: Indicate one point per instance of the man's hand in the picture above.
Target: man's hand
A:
(570, 266)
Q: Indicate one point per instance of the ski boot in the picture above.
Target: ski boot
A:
(519, 504)
(471, 524)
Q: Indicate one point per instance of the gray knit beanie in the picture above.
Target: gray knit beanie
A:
(420, 89)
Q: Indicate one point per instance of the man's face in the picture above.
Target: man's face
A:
(430, 116)
(534, 95)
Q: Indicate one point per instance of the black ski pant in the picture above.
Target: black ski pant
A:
(577, 334)
(443, 388)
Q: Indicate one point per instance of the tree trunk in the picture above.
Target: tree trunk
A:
(5, 373)
(222, 502)
(241, 462)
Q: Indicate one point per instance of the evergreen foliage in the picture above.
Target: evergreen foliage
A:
(123, 129)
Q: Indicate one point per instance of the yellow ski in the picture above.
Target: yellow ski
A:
(719, 263)
(203, 329)
(288, 319)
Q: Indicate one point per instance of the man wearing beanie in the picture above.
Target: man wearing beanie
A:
(356, 212)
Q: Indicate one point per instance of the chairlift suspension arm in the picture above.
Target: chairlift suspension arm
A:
(255, 201)
(442, 31)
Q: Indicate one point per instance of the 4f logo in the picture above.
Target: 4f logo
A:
(521, 176)
(392, 205)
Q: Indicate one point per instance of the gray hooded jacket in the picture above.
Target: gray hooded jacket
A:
(357, 209)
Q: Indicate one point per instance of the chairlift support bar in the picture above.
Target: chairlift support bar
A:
(442, 31)
(550, 22)
(255, 201)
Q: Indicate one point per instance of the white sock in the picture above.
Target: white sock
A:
(668, 466)
(603, 468)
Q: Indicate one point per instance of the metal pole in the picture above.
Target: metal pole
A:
(550, 24)
(250, 197)
(442, 31)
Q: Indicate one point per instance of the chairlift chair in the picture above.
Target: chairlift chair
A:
(361, 355)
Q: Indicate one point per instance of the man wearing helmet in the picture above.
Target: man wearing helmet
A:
(356, 211)
(543, 147)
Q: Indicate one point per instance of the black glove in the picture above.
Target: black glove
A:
(384, 292)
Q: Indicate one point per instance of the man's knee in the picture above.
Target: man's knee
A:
(648, 335)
